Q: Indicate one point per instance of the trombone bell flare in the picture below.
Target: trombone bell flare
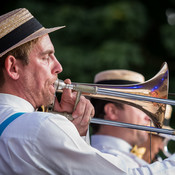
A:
(156, 87)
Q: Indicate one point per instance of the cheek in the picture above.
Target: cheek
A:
(133, 115)
(36, 80)
(41, 73)
(40, 82)
(141, 118)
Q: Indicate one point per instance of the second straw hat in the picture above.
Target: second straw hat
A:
(119, 76)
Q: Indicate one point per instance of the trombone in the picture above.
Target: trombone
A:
(150, 97)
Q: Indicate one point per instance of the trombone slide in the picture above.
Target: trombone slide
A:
(150, 96)
(132, 126)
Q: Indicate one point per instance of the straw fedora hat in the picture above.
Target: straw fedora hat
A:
(18, 27)
(119, 76)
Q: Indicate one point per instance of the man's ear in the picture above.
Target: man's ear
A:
(11, 67)
(111, 111)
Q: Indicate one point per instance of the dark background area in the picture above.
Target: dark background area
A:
(138, 35)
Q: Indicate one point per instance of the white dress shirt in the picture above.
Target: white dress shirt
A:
(39, 143)
(117, 146)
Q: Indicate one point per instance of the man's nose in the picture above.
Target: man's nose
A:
(57, 67)
(161, 147)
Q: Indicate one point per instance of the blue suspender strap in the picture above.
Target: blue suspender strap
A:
(5, 123)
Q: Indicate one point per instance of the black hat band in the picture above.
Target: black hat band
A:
(19, 34)
(117, 82)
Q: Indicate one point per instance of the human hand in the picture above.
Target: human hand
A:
(83, 112)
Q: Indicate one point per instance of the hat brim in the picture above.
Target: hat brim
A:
(35, 35)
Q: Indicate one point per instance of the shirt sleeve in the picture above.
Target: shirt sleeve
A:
(59, 148)
(158, 168)
(87, 137)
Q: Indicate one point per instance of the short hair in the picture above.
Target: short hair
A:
(20, 53)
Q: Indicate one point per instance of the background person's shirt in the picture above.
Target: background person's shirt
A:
(116, 147)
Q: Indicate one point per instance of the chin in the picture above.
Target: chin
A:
(49, 100)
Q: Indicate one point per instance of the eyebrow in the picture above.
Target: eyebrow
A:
(47, 52)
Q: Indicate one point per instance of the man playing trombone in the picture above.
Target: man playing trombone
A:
(37, 143)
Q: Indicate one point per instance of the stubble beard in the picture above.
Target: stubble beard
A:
(48, 99)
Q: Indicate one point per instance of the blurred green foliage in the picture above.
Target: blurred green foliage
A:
(98, 36)
(107, 34)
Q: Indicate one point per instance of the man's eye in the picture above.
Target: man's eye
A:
(46, 59)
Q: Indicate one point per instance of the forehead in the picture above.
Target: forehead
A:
(43, 45)
(45, 42)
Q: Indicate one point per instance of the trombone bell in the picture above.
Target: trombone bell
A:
(156, 87)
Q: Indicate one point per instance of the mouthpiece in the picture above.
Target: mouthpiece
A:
(59, 85)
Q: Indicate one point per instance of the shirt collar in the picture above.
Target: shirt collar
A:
(16, 102)
(110, 142)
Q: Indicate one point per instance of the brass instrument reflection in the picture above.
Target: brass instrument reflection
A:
(158, 143)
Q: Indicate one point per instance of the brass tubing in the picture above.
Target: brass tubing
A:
(151, 96)
(132, 126)
(135, 96)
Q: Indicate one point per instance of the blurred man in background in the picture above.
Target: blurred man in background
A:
(117, 140)
(156, 142)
